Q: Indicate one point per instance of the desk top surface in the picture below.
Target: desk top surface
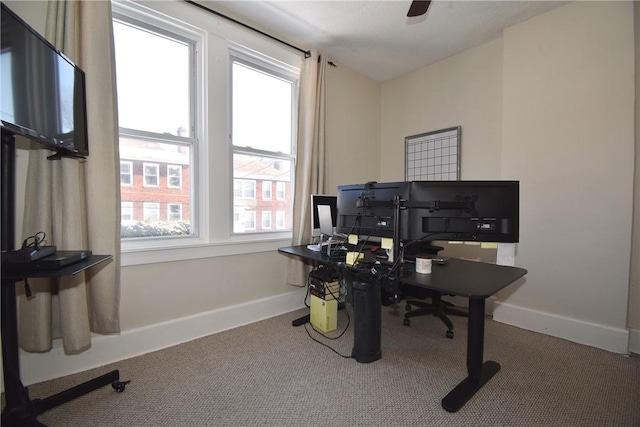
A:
(471, 279)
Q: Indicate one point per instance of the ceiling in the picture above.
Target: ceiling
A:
(376, 38)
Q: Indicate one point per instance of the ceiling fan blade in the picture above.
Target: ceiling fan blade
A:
(418, 7)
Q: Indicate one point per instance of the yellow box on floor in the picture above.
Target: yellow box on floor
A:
(324, 314)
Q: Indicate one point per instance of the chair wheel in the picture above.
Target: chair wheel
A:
(449, 334)
(406, 322)
(407, 307)
(119, 385)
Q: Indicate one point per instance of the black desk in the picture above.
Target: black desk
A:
(474, 280)
(19, 408)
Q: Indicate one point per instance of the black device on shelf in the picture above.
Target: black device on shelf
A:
(43, 92)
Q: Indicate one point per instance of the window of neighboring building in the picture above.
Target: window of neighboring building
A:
(244, 189)
(126, 211)
(266, 220)
(126, 173)
(174, 176)
(151, 211)
(151, 175)
(281, 191)
(266, 190)
(280, 219)
(247, 221)
(174, 211)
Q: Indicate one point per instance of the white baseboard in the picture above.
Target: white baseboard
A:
(634, 341)
(37, 367)
(605, 337)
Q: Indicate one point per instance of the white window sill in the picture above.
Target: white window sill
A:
(140, 256)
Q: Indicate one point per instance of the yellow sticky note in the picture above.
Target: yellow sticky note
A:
(489, 245)
(353, 257)
(353, 239)
(387, 243)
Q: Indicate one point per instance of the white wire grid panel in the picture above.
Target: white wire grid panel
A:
(433, 156)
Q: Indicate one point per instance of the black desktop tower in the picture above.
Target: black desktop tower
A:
(367, 319)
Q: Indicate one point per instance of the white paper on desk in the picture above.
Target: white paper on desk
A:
(506, 254)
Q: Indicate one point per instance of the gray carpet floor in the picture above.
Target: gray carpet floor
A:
(272, 374)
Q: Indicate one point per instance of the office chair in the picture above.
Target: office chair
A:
(437, 307)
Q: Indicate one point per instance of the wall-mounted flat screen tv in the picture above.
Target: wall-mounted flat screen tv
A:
(43, 92)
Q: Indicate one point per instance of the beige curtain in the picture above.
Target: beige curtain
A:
(76, 203)
(310, 163)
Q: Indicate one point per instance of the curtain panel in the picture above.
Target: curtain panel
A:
(76, 203)
(310, 156)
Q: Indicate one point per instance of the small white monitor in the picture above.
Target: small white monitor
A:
(324, 216)
(318, 200)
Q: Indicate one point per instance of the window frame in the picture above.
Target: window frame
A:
(215, 41)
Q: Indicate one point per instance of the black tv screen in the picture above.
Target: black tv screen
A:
(484, 211)
(43, 92)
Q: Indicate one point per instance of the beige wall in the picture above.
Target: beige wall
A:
(464, 90)
(353, 128)
(156, 293)
(568, 136)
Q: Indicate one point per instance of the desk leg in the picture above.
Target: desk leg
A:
(478, 372)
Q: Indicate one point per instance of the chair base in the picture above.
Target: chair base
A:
(436, 308)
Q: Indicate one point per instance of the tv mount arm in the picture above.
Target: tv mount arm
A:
(438, 205)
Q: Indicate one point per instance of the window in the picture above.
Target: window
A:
(244, 189)
(280, 219)
(266, 220)
(156, 119)
(151, 176)
(263, 114)
(266, 190)
(247, 221)
(174, 211)
(202, 102)
(174, 176)
(126, 211)
(151, 211)
(281, 191)
(126, 173)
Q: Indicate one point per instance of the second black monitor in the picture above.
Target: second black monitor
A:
(484, 211)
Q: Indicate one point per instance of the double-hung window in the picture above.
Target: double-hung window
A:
(155, 80)
(207, 114)
(263, 112)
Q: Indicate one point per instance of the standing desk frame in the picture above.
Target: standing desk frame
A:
(476, 281)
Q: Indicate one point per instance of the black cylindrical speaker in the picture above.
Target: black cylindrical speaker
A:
(367, 319)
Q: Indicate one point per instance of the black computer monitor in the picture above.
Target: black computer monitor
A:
(368, 210)
(484, 211)
(319, 200)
